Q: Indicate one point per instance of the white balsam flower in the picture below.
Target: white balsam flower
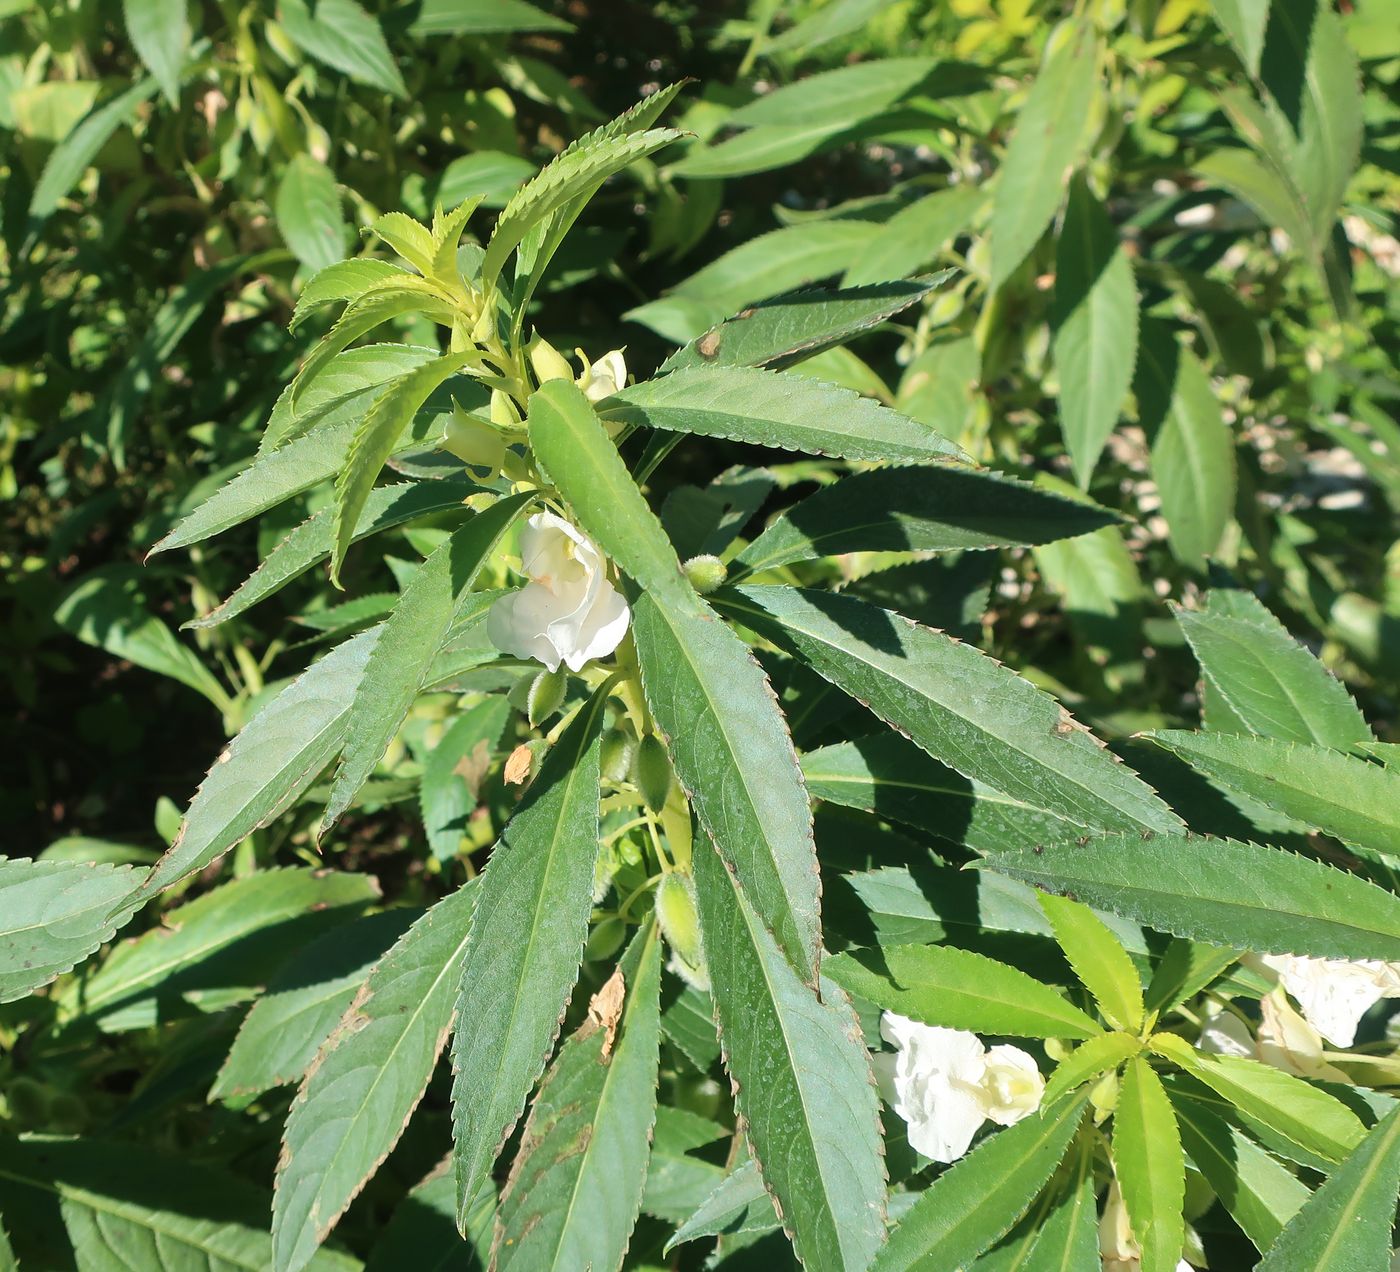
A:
(1334, 994)
(568, 612)
(944, 1083)
(602, 378)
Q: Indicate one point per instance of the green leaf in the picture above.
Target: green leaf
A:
(106, 609)
(802, 1079)
(482, 17)
(53, 914)
(272, 761)
(1273, 685)
(1346, 1224)
(829, 22)
(1219, 891)
(525, 948)
(1098, 960)
(957, 989)
(769, 408)
(576, 1187)
(103, 1204)
(917, 234)
(159, 31)
(1303, 1114)
(376, 440)
(1091, 1060)
(72, 155)
(1095, 322)
(489, 175)
(342, 281)
(781, 332)
(726, 737)
(422, 1233)
(401, 660)
(1244, 22)
(308, 213)
(1186, 968)
(1048, 141)
(218, 949)
(310, 542)
(343, 36)
(325, 428)
(737, 1206)
(285, 1028)
(1260, 1193)
(454, 770)
(960, 706)
(1150, 1166)
(1350, 798)
(1068, 1237)
(1193, 452)
(975, 1202)
(925, 509)
(767, 146)
(367, 1079)
(678, 1182)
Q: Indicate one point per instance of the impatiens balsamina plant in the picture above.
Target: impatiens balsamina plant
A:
(894, 1099)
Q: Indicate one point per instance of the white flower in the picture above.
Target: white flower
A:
(1118, 1248)
(1335, 994)
(602, 378)
(1286, 1041)
(944, 1083)
(568, 612)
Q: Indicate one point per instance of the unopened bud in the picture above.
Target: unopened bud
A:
(548, 363)
(651, 772)
(546, 696)
(473, 441)
(706, 573)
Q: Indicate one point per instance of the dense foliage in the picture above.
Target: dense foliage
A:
(674, 635)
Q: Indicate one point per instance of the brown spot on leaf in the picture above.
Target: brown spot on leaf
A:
(709, 343)
(473, 766)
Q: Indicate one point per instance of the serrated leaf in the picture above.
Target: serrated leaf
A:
(769, 408)
(1150, 1166)
(786, 330)
(422, 1232)
(1244, 22)
(576, 1187)
(1219, 891)
(310, 542)
(1185, 968)
(525, 948)
(925, 509)
(958, 989)
(1095, 323)
(453, 771)
(1346, 1224)
(159, 31)
(917, 234)
(1303, 1114)
(1067, 1240)
(343, 36)
(1098, 960)
(218, 949)
(410, 240)
(738, 1206)
(1047, 142)
(678, 1182)
(303, 1003)
(308, 214)
(1088, 1061)
(976, 1201)
(830, 22)
(712, 703)
(401, 660)
(802, 1079)
(367, 1079)
(53, 914)
(1350, 798)
(343, 280)
(1273, 685)
(960, 706)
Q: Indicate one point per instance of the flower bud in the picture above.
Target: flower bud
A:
(473, 441)
(548, 363)
(546, 696)
(651, 772)
(616, 755)
(706, 573)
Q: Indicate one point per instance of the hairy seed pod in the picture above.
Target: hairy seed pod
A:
(706, 573)
(616, 755)
(680, 922)
(651, 772)
(546, 696)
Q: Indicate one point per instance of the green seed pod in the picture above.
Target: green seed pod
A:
(705, 573)
(605, 939)
(651, 772)
(675, 911)
(617, 755)
(546, 696)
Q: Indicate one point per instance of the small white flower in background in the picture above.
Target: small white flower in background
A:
(1334, 994)
(944, 1083)
(602, 378)
(568, 612)
(1285, 1040)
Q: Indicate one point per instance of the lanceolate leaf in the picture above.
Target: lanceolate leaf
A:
(915, 235)
(919, 509)
(1346, 1224)
(401, 660)
(309, 215)
(53, 914)
(958, 989)
(1098, 960)
(963, 708)
(1219, 891)
(367, 1079)
(1351, 798)
(767, 408)
(342, 35)
(576, 1187)
(159, 31)
(454, 770)
(974, 1204)
(802, 1077)
(525, 947)
(738, 1205)
(1096, 328)
(1150, 1166)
